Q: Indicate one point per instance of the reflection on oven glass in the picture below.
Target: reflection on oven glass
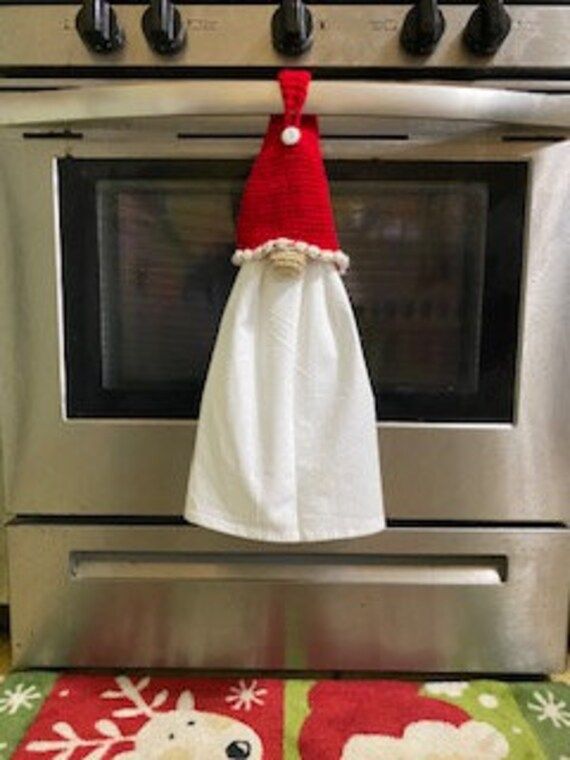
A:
(416, 280)
(165, 277)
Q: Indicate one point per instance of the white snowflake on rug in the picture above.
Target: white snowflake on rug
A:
(547, 708)
(21, 697)
(244, 696)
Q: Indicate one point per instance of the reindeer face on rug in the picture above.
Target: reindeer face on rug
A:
(189, 734)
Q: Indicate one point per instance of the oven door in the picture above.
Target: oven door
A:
(118, 243)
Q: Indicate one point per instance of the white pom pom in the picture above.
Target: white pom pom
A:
(290, 135)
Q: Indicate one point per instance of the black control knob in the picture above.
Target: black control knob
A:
(163, 28)
(487, 27)
(423, 26)
(292, 28)
(97, 25)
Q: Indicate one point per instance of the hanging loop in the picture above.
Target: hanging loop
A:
(294, 85)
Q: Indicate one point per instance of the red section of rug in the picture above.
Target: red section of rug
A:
(166, 718)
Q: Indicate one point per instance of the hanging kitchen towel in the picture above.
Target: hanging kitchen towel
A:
(286, 447)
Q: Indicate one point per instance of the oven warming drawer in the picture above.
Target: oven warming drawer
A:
(410, 599)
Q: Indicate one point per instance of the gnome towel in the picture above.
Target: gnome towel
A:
(287, 448)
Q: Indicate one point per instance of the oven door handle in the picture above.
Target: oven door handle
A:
(233, 98)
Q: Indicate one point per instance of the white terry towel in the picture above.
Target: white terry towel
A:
(287, 446)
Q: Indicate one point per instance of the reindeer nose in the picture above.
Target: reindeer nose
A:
(238, 750)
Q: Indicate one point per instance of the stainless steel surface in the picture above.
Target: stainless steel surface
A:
(75, 78)
(180, 619)
(238, 35)
(230, 98)
(462, 472)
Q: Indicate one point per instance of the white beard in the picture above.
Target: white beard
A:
(287, 446)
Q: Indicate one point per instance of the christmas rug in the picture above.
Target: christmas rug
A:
(85, 717)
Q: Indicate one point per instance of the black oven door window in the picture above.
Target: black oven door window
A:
(436, 253)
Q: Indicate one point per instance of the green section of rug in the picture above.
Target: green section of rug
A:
(502, 705)
(21, 697)
(92, 717)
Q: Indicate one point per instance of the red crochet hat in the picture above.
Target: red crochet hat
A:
(286, 211)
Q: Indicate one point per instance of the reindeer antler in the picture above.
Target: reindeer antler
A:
(133, 692)
(109, 735)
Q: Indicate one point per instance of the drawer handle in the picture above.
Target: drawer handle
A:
(291, 568)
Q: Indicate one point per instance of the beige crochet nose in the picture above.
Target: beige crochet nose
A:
(289, 262)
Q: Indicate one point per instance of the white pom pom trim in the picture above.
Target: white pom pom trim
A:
(338, 258)
(290, 135)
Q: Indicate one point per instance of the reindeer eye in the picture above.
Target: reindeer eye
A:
(171, 736)
(191, 723)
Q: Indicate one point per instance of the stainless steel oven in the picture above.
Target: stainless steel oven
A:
(117, 209)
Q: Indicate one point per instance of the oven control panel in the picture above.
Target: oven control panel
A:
(423, 35)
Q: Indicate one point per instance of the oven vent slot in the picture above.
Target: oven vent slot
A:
(65, 134)
(214, 135)
(291, 569)
(387, 137)
(533, 138)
